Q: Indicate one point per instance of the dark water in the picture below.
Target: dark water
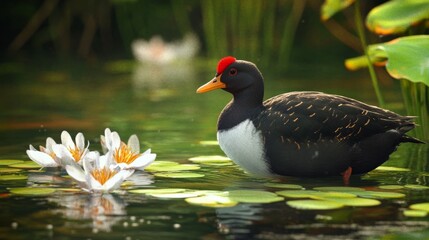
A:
(161, 107)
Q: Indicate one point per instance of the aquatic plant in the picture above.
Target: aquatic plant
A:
(405, 58)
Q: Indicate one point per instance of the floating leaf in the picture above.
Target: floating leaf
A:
(354, 202)
(283, 185)
(9, 170)
(314, 204)
(391, 187)
(4, 162)
(209, 143)
(254, 196)
(157, 191)
(26, 165)
(172, 168)
(32, 191)
(339, 189)
(318, 195)
(330, 7)
(210, 159)
(212, 201)
(392, 169)
(296, 193)
(416, 187)
(415, 213)
(397, 16)
(179, 175)
(382, 195)
(420, 206)
(187, 194)
(12, 177)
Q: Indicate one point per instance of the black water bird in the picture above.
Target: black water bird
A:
(302, 134)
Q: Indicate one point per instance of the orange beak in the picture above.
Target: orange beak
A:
(213, 84)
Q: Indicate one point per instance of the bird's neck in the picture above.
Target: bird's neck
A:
(244, 105)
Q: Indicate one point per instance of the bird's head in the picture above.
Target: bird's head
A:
(233, 76)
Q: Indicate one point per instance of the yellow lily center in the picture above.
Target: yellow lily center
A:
(102, 175)
(76, 153)
(124, 154)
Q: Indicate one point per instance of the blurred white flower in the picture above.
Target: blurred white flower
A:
(46, 156)
(127, 156)
(99, 174)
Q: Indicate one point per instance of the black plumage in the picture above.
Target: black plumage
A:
(309, 134)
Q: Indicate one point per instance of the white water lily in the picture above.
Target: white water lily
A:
(45, 157)
(69, 151)
(98, 175)
(127, 156)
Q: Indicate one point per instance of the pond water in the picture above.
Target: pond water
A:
(160, 105)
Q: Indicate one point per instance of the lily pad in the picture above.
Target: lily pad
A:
(157, 191)
(4, 162)
(9, 170)
(12, 177)
(32, 191)
(283, 185)
(326, 194)
(339, 189)
(392, 169)
(212, 201)
(296, 193)
(209, 143)
(26, 165)
(179, 175)
(330, 7)
(397, 16)
(416, 187)
(172, 168)
(355, 202)
(415, 213)
(420, 206)
(314, 204)
(210, 159)
(254, 196)
(391, 187)
(380, 195)
(187, 194)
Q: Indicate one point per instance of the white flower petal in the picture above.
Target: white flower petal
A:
(76, 172)
(63, 154)
(87, 165)
(116, 181)
(80, 141)
(41, 158)
(67, 140)
(32, 148)
(49, 143)
(116, 141)
(134, 144)
(93, 184)
(143, 161)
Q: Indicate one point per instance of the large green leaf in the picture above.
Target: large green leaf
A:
(330, 7)
(397, 16)
(404, 58)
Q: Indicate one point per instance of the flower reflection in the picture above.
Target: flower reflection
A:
(105, 210)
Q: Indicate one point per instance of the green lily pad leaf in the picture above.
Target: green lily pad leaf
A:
(12, 177)
(9, 170)
(339, 189)
(214, 201)
(392, 169)
(210, 159)
(187, 194)
(179, 175)
(420, 206)
(32, 191)
(172, 168)
(222, 164)
(391, 187)
(415, 213)
(330, 7)
(157, 191)
(254, 196)
(26, 165)
(416, 187)
(283, 185)
(209, 143)
(162, 164)
(354, 202)
(380, 195)
(4, 162)
(326, 194)
(297, 193)
(397, 16)
(314, 204)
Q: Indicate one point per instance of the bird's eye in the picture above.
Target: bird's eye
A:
(233, 72)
